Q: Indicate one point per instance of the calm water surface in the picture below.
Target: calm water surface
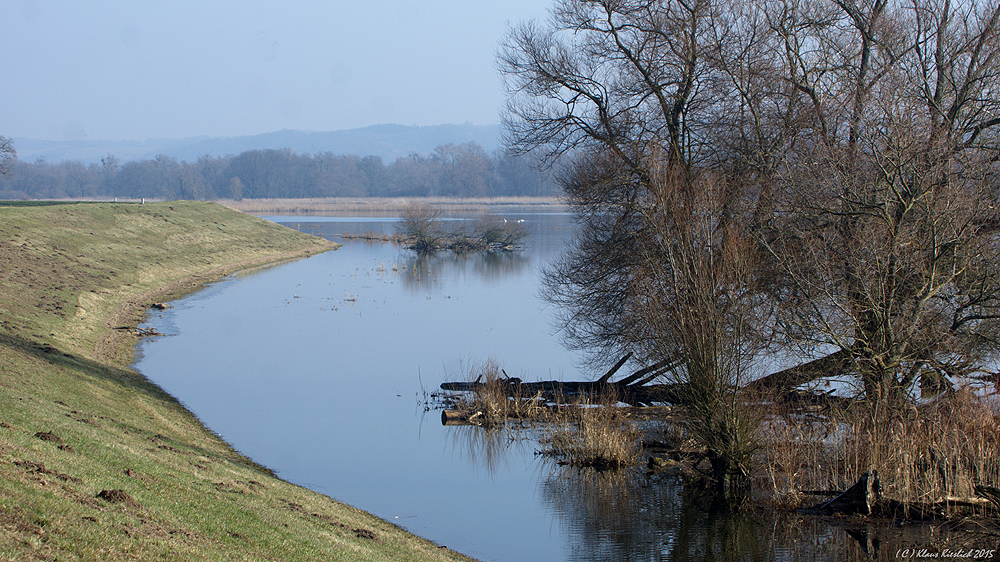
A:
(319, 369)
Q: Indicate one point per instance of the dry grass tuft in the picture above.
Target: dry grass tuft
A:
(499, 398)
(598, 435)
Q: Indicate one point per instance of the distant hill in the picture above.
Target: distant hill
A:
(388, 141)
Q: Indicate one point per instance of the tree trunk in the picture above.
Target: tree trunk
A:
(859, 498)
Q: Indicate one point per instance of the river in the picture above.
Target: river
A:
(322, 369)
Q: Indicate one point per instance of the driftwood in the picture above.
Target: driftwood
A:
(614, 369)
(633, 389)
(477, 417)
(865, 497)
(557, 391)
(460, 417)
(141, 332)
(652, 392)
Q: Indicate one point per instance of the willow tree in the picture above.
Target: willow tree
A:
(888, 233)
(815, 175)
(7, 154)
(656, 106)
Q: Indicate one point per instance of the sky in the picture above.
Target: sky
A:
(143, 69)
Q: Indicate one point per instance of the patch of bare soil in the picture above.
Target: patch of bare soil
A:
(14, 520)
(49, 436)
(55, 439)
(238, 486)
(361, 533)
(39, 468)
(118, 496)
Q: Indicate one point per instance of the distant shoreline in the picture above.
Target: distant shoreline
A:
(377, 204)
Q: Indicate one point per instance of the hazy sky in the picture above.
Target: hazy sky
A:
(138, 69)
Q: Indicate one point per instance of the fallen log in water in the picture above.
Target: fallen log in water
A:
(859, 498)
(633, 389)
(637, 389)
(556, 391)
(865, 498)
(460, 417)
(475, 416)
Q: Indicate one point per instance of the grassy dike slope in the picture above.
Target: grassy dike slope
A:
(75, 421)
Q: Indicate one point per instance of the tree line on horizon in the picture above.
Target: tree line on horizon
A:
(463, 170)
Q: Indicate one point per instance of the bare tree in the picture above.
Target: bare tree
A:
(665, 183)
(7, 154)
(421, 226)
(890, 230)
(814, 174)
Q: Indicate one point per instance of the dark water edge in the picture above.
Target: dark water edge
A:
(319, 370)
(623, 516)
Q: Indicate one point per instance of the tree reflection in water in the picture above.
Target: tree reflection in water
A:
(630, 515)
(627, 515)
(425, 271)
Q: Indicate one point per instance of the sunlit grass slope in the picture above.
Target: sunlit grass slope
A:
(96, 463)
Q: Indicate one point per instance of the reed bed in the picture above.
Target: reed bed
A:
(588, 433)
(933, 454)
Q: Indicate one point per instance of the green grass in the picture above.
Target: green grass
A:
(71, 276)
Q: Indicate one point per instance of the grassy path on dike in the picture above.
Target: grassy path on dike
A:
(96, 462)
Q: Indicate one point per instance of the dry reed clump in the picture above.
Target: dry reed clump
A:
(800, 453)
(924, 455)
(597, 435)
(929, 454)
(500, 398)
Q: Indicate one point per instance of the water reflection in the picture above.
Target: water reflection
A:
(491, 447)
(431, 271)
(629, 515)
(637, 515)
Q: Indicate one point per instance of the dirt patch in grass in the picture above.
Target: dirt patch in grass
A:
(49, 436)
(30, 467)
(118, 496)
(15, 520)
